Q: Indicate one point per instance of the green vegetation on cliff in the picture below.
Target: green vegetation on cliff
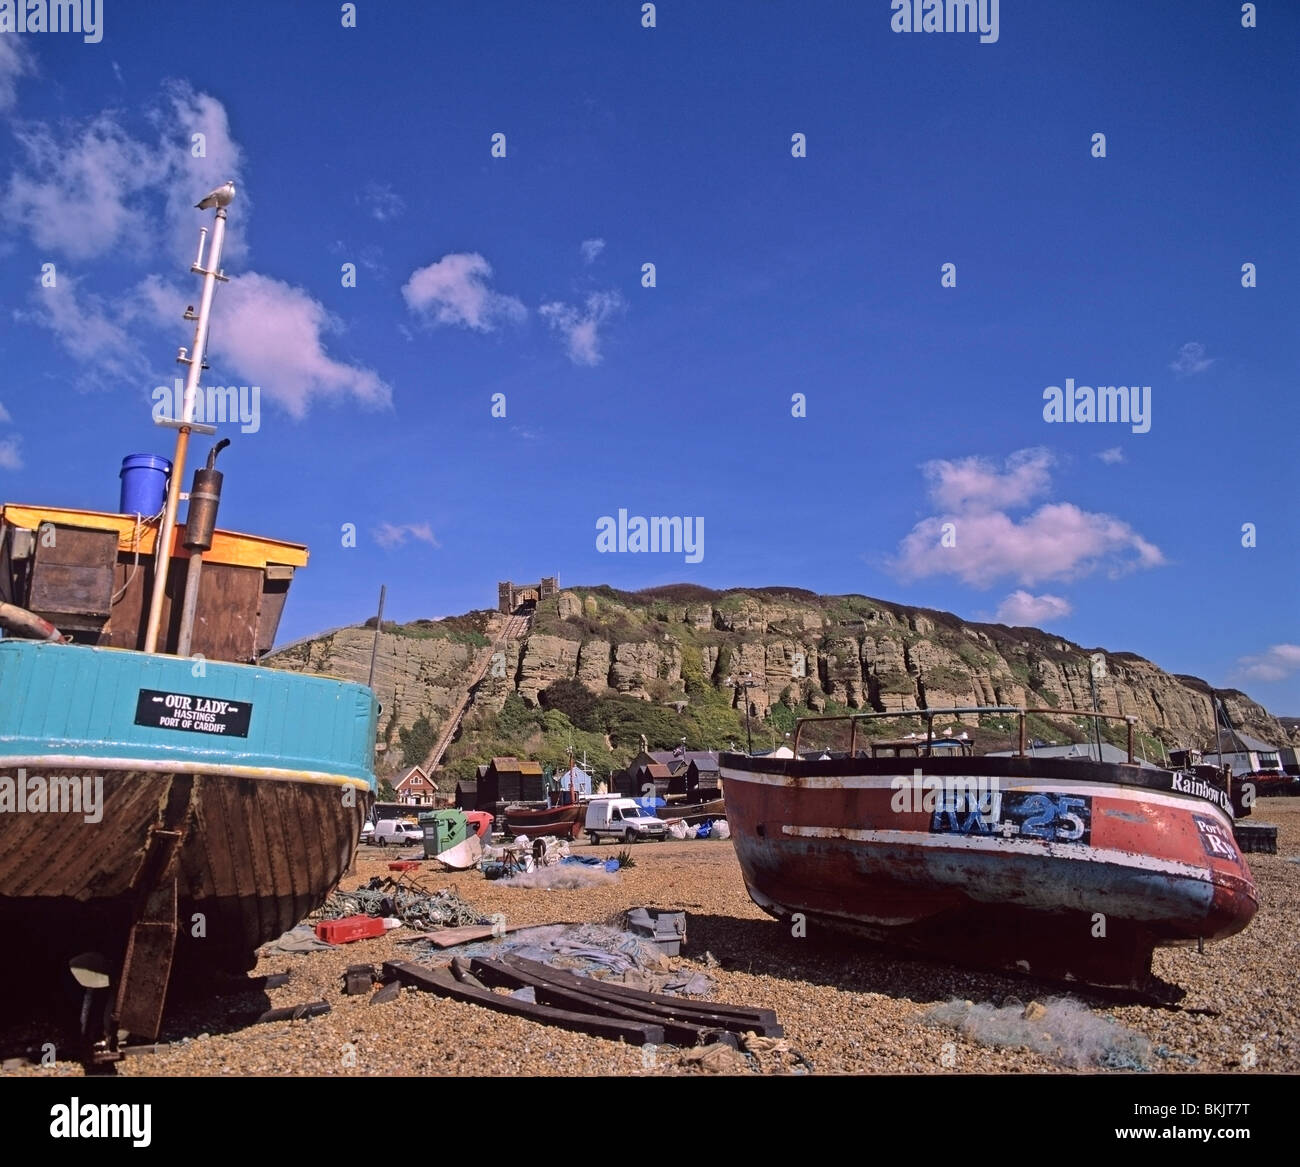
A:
(600, 668)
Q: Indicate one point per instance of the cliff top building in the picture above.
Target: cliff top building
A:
(511, 596)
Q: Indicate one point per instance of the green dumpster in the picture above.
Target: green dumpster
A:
(442, 829)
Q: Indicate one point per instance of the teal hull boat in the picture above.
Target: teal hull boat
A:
(166, 803)
(163, 810)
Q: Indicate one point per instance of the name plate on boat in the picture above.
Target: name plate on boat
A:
(192, 714)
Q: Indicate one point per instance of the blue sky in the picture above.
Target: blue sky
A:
(774, 275)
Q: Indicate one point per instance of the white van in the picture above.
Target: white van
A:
(396, 831)
(622, 819)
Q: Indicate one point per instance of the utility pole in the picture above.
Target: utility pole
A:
(379, 627)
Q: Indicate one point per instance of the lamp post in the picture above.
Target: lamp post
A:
(746, 683)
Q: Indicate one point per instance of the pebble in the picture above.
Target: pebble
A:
(847, 1008)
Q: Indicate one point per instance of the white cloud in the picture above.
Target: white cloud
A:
(187, 178)
(393, 535)
(90, 331)
(78, 198)
(591, 248)
(581, 327)
(100, 189)
(1276, 664)
(273, 335)
(158, 300)
(454, 291)
(10, 456)
(1057, 541)
(1191, 359)
(16, 61)
(103, 188)
(1113, 456)
(1024, 610)
(384, 202)
(978, 484)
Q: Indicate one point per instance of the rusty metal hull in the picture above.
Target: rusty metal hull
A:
(1065, 868)
(256, 855)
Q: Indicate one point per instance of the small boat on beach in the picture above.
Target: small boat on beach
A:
(562, 816)
(1067, 868)
(564, 822)
(692, 813)
(167, 804)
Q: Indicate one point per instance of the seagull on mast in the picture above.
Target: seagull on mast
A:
(221, 197)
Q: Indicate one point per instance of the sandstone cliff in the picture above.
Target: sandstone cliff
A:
(672, 645)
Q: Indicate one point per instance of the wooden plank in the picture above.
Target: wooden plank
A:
(227, 546)
(468, 934)
(733, 1017)
(446, 986)
(274, 594)
(72, 577)
(226, 626)
(496, 975)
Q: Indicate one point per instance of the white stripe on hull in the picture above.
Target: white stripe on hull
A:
(1033, 847)
(205, 767)
(883, 782)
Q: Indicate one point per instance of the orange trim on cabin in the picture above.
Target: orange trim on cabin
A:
(228, 547)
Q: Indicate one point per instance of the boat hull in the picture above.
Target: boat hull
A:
(170, 813)
(1027, 863)
(693, 812)
(563, 822)
(257, 854)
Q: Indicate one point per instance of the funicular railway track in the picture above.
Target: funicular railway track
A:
(515, 628)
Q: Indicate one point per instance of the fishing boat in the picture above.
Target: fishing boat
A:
(167, 804)
(564, 822)
(1067, 868)
(692, 812)
(562, 817)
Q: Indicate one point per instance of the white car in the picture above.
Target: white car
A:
(367, 831)
(396, 831)
(622, 818)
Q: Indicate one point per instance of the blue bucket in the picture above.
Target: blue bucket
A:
(144, 484)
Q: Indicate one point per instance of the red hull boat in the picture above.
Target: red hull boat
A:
(1066, 868)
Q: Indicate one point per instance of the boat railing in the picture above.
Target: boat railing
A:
(1020, 711)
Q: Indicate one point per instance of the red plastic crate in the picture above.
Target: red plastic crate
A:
(349, 928)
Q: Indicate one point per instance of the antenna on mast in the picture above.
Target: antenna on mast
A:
(217, 200)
